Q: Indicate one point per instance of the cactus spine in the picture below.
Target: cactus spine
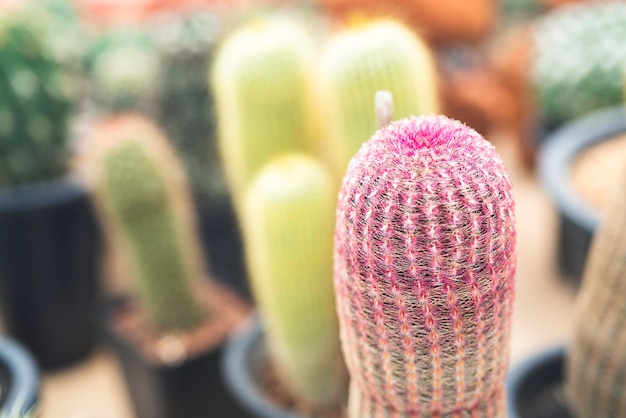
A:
(358, 62)
(142, 195)
(596, 364)
(288, 229)
(424, 272)
(38, 97)
(261, 79)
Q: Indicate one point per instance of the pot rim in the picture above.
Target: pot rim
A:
(237, 375)
(24, 378)
(563, 146)
(40, 194)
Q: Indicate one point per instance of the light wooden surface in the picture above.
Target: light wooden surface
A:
(544, 301)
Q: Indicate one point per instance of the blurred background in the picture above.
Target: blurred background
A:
(132, 133)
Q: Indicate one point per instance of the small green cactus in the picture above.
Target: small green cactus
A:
(288, 226)
(262, 81)
(142, 195)
(116, 84)
(39, 93)
(579, 59)
(358, 62)
(596, 361)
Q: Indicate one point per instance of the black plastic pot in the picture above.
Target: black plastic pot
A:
(19, 379)
(577, 219)
(242, 361)
(535, 387)
(191, 389)
(49, 252)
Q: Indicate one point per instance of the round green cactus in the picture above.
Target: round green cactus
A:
(579, 59)
(288, 225)
(262, 81)
(39, 93)
(358, 62)
(125, 72)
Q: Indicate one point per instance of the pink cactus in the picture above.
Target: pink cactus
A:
(424, 272)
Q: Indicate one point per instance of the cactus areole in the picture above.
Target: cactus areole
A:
(424, 272)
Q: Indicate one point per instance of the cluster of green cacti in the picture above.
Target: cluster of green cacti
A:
(264, 79)
(124, 70)
(288, 224)
(185, 44)
(596, 366)
(357, 63)
(579, 59)
(516, 11)
(142, 196)
(39, 94)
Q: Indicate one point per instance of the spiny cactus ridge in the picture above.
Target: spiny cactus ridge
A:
(288, 229)
(424, 272)
(355, 64)
(142, 195)
(596, 363)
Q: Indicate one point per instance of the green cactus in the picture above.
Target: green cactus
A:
(39, 94)
(579, 59)
(125, 72)
(185, 43)
(288, 226)
(142, 194)
(261, 79)
(358, 62)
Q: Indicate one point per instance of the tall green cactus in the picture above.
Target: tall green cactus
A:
(262, 83)
(358, 62)
(288, 225)
(185, 42)
(596, 361)
(142, 194)
(38, 93)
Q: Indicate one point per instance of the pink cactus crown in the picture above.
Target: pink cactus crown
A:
(424, 270)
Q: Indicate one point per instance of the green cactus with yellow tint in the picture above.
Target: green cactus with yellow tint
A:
(355, 64)
(141, 193)
(262, 82)
(288, 225)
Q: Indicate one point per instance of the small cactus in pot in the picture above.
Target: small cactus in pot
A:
(262, 81)
(424, 272)
(142, 196)
(596, 360)
(288, 223)
(355, 64)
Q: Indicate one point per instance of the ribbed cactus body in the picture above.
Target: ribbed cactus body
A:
(596, 366)
(125, 72)
(142, 195)
(185, 43)
(288, 229)
(38, 95)
(579, 59)
(358, 62)
(261, 79)
(424, 272)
